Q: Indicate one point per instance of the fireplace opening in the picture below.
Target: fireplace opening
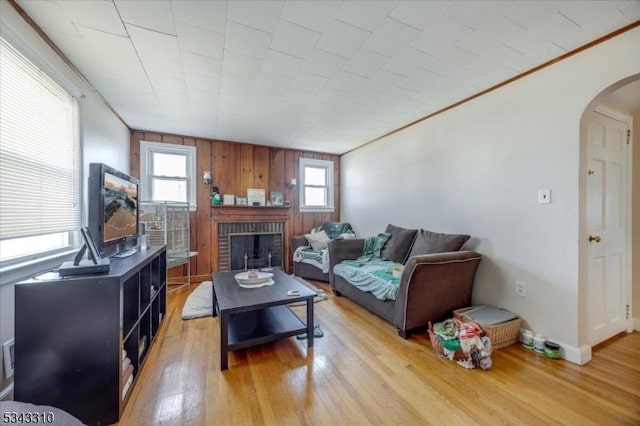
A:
(255, 250)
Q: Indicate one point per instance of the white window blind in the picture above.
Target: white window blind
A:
(39, 151)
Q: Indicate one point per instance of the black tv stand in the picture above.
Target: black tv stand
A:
(125, 253)
(76, 353)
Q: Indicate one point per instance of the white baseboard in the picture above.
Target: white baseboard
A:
(580, 356)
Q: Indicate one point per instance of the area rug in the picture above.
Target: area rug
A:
(200, 302)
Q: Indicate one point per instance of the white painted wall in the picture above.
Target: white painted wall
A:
(104, 137)
(477, 169)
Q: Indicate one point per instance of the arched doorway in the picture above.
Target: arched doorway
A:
(610, 205)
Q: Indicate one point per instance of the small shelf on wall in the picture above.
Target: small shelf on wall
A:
(222, 206)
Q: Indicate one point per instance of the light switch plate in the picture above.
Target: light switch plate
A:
(544, 196)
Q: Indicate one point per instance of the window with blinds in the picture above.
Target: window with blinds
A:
(39, 160)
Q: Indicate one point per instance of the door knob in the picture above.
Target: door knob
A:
(595, 238)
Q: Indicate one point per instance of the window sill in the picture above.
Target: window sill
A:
(317, 209)
(23, 270)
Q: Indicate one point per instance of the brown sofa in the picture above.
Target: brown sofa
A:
(437, 277)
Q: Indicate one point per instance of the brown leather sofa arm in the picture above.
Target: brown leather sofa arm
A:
(347, 249)
(298, 241)
(433, 285)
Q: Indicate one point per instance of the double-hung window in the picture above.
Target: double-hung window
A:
(167, 172)
(316, 185)
(40, 169)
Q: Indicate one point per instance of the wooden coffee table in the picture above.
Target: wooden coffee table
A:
(253, 316)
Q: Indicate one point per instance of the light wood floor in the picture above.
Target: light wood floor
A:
(362, 373)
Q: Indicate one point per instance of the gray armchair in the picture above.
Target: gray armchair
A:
(310, 269)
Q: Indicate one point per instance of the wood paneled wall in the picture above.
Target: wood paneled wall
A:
(234, 168)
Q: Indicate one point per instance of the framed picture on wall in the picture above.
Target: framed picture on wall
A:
(277, 198)
(256, 196)
(241, 201)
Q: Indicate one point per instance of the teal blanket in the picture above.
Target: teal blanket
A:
(373, 276)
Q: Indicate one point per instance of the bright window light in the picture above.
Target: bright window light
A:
(28, 246)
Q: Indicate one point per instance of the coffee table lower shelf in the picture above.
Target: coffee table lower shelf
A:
(266, 325)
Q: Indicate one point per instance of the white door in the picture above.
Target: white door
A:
(607, 228)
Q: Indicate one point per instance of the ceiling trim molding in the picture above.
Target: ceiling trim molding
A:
(506, 82)
(64, 58)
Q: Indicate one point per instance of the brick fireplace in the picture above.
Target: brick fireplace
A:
(250, 245)
(254, 231)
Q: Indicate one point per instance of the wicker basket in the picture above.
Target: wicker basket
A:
(437, 346)
(501, 335)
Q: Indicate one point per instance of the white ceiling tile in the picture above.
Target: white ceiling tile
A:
(203, 65)
(474, 13)
(272, 81)
(199, 41)
(201, 82)
(279, 63)
(49, 16)
(315, 15)
(309, 81)
(490, 57)
(330, 95)
(246, 40)
(232, 82)
(262, 15)
(631, 9)
(420, 14)
(529, 13)
(323, 63)
(535, 57)
(606, 23)
(241, 64)
(345, 81)
(406, 60)
(365, 62)
(294, 40)
(364, 95)
(582, 16)
(495, 30)
(155, 15)
(168, 85)
(365, 14)
(390, 37)
(418, 79)
(101, 16)
(207, 14)
(342, 39)
(204, 98)
(151, 44)
(297, 98)
(554, 27)
(163, 66)
(113, 83)
(441, 35)
(105, 44)
(382, 80)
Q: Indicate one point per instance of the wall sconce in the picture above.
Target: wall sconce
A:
(292, 183)
(206, 178)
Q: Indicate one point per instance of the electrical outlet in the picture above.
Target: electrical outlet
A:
(521, 288)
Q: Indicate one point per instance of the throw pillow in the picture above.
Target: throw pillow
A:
(318, 240)
(428, 242)
(399, 244)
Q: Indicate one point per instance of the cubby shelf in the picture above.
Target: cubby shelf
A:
(71, 354)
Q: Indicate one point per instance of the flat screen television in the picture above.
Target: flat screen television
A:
(113, 209)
